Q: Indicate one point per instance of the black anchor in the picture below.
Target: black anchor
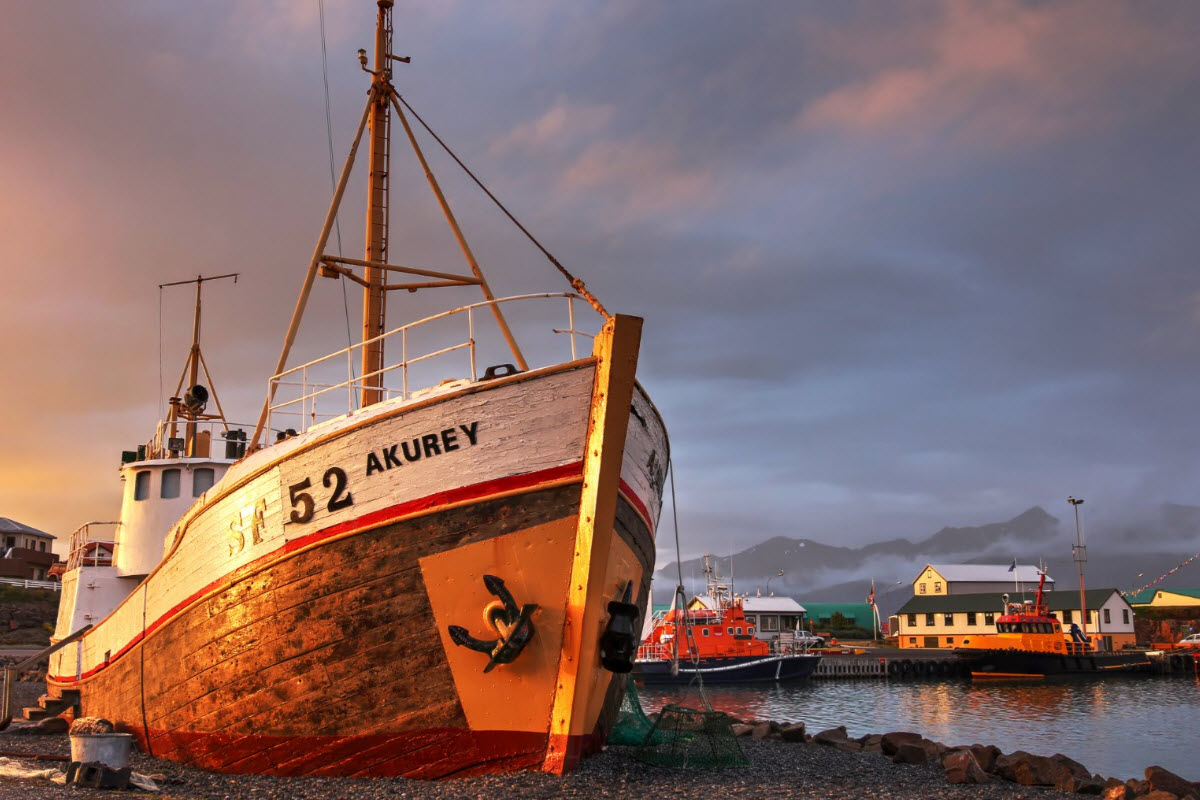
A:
(514, 626)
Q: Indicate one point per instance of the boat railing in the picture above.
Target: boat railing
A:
(1079, 649)
(93, 544)
(170, 440)
(306, 386)
(654, 651)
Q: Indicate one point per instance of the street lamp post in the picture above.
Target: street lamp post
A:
(1079, 553)
(773, 577)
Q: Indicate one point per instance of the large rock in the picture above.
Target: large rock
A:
(793, 732)
(986, 755)
(1159, 794)
(832, 736)
(910, 753)
(766, 730)
(961, 767)
(83, 726)
(1137, 788)
(890, 742)
(1163, 780)
(871, 743)
(1027, 769)
(1115, 789)
(741, 729)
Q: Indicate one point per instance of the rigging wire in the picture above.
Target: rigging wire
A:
(576, 283)
(161, 410)
(337, 224)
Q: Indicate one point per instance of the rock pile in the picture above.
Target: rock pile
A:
(979, 764)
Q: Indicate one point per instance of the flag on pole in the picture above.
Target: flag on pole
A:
(871, 596)
(1014, 566)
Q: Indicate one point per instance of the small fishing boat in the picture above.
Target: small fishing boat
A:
(417, 564)
(1030, 643)
(717, 644)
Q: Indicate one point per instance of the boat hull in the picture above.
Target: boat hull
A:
(292, 636)
(732, 669)
(1018, 664)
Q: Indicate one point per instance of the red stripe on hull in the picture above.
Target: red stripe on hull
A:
(429, 504)
(426, 754)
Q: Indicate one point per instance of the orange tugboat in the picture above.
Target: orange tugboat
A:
(718, 645)
(416, 565)
(1030, 643)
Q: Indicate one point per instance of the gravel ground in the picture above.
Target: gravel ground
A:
(778, 771)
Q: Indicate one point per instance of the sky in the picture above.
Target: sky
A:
(901, 265)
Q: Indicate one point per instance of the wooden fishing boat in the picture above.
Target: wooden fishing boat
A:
(717, 645)
(429, 582)
(1030, 643)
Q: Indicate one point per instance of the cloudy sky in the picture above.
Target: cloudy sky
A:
(902, 265)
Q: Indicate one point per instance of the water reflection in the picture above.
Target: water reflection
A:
(1116, 726)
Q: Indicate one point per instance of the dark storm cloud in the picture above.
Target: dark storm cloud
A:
(902, 266)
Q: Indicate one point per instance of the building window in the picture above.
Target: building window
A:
(949, 640)
(912, 620)
(988, 618)
(970, 617)
(929, 620)
(1068, 616)
(922, 588)
(770, 623)
(141, 485)
(170, 484)
(1107, 617)
(202, 481)
(937, 587)
(949, 618)
(10, 541)
(1124, 611)
(912, 640)
(42, 549)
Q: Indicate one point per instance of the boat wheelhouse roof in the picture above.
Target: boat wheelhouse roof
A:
(990, 601)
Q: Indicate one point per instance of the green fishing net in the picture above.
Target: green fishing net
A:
(688, 738)
(632, 726)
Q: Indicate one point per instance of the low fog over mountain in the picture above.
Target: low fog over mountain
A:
(1124, 555)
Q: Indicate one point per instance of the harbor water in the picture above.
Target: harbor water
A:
(1116, 727)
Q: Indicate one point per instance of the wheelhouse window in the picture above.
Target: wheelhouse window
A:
(202, 480)
(170, 484)
(729, 630)
(141, 485)
(750, 630)
(704, 631)
(751, 619)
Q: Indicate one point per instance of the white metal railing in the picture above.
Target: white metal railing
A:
(302, 407)
(170, 438)
(27, 584)
(90, 548)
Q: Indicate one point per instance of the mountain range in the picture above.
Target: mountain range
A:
(1124, 556)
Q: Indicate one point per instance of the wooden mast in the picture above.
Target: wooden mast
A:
(374, 298)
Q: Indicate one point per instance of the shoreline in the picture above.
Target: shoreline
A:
(824, 765)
